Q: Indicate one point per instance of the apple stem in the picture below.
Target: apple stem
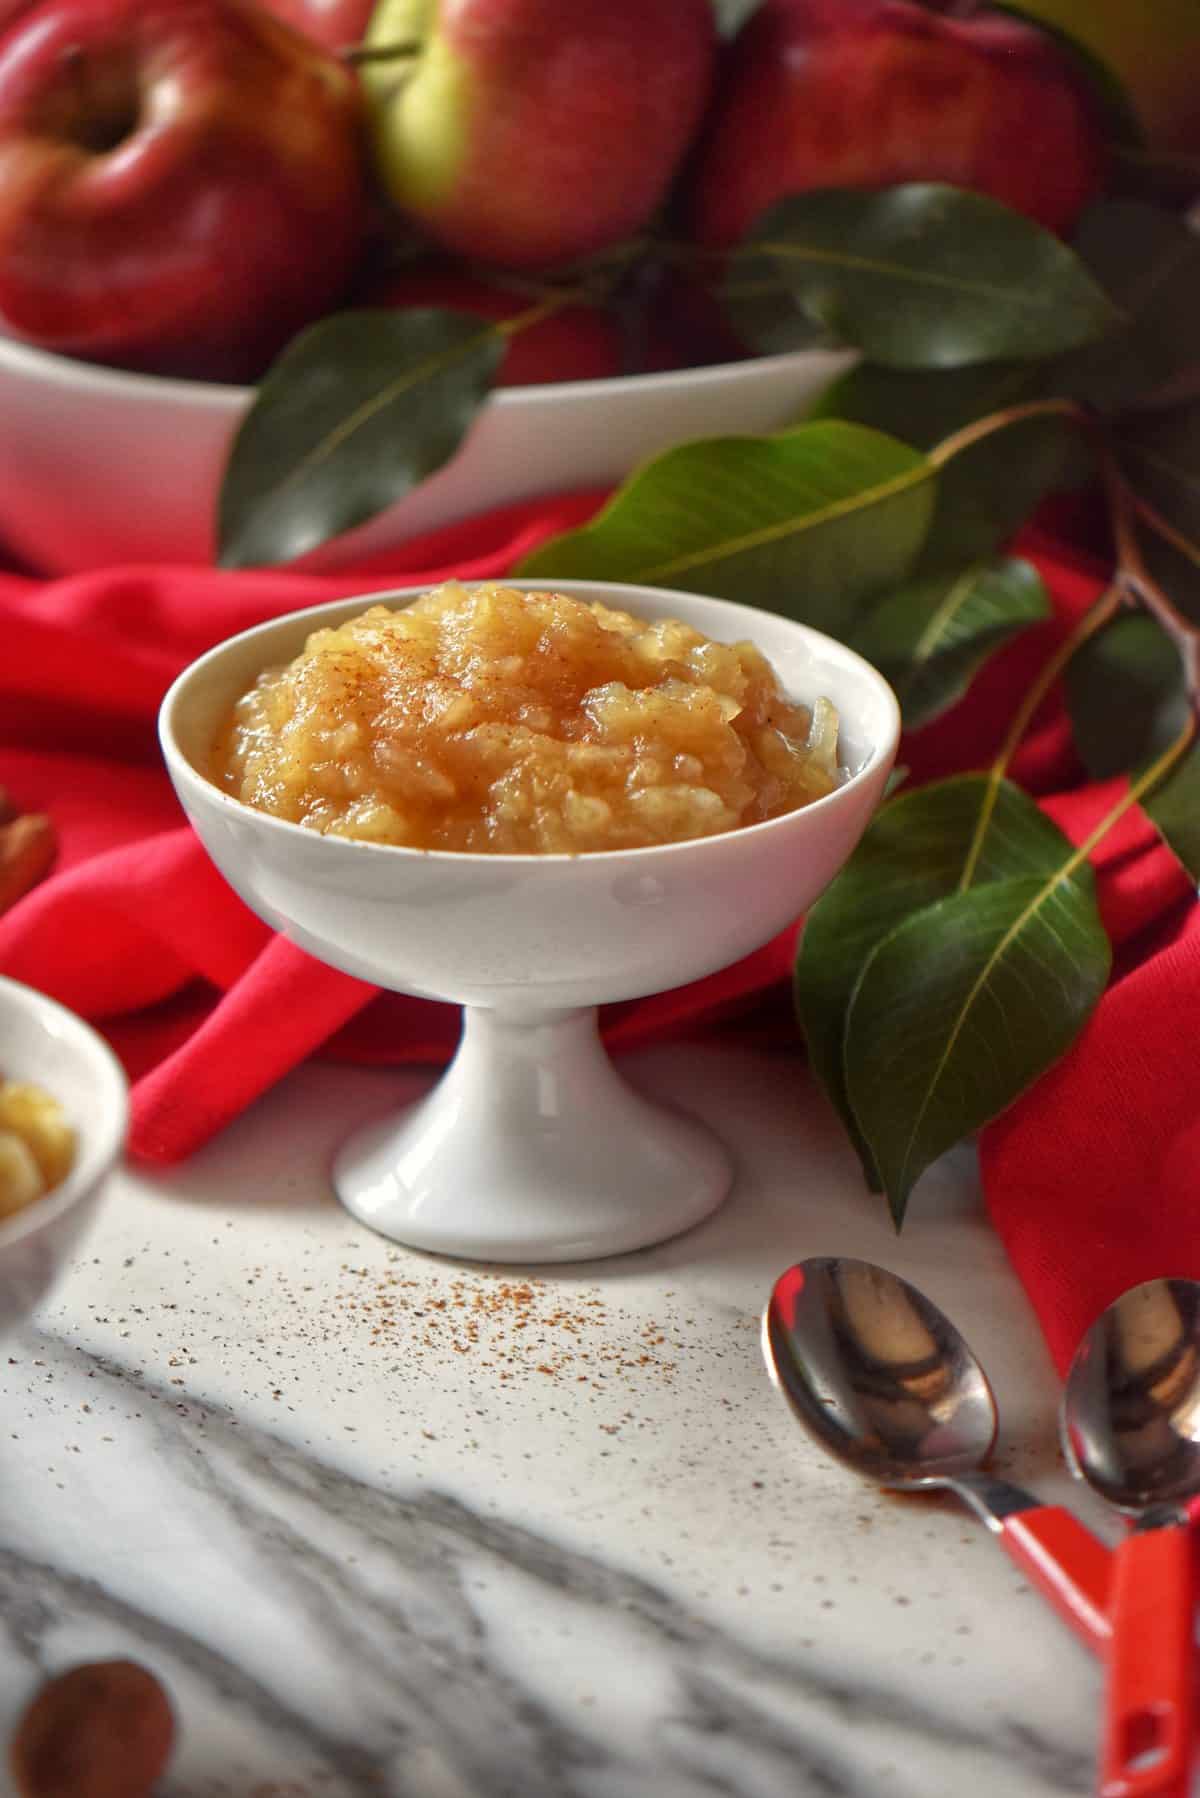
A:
(404, 51)
(554, 302)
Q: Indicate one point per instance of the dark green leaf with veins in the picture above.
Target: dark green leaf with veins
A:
(921, 847)
(1148, 261)
(357, 411)
(923, 406)
(929, 637)
(988, 489)
(1125, 693)
(1175, 808)
(961, 1008)
(763, 310)
(807, 523)
(929, 276)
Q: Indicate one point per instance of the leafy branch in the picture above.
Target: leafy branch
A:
(961, 950)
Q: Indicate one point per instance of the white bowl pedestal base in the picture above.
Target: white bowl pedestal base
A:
(532, 1148)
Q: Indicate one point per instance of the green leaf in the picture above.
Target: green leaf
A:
(922, 407)
(988, 487)
(1159, 453)
(806, 523)
(929, 276)
(764, 312)
(961, 1008)
(918, 849)
(1148, 261)
(357, 410)
(1125, 694)
(931, 636)
(987, 490)
(1175, 809)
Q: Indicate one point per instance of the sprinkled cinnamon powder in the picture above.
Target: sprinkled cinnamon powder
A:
(517, 1328)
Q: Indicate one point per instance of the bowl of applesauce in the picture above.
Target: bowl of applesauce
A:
(63, 1119)
(495, 720)
(530, 802)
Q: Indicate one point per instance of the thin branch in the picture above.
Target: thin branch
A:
(1096, 615)
(1162, 528)
(1138, 584)
(979, 428)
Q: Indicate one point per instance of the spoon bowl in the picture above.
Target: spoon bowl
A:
(876, 1372)
(1131, 1404)
(883, 1381)
(1130, 1423)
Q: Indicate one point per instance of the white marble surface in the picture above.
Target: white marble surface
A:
(388, 1524)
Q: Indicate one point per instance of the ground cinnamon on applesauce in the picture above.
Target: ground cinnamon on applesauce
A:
(494, 720)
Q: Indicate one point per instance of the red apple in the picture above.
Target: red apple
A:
(1153, 49)
(180, 183)
(528, 133)
(868, 93)
(580, 343)
(334, 24)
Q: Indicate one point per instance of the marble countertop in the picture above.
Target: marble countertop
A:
(384, 1523)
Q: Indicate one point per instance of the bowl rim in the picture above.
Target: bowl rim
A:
(182, 771)
(73, 371)
(95, 1157)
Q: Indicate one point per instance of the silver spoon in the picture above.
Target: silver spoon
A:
(1131, 1429)
(885, 1382)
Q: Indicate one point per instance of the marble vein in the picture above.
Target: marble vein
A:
(403, 1642)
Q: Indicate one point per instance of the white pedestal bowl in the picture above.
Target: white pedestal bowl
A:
(532, 1148)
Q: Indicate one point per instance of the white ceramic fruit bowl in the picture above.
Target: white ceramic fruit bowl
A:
(531, 1147)
(42, 1042)
(98, 466)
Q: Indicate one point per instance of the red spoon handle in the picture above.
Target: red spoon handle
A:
(1146, 1746)
(1067, 1564)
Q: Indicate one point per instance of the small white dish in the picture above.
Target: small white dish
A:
(42, 1042)
(100, 466)
(531, 1147)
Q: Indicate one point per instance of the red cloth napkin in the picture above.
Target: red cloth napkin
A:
(1089, 1178)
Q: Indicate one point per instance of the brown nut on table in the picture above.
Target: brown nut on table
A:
(28, 846)
(101, 1730)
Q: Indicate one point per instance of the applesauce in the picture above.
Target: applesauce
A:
(37, 1144)
(494, 720)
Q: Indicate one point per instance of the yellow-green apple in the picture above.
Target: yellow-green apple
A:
(527, 133)
(335, 24)
(181, 183)
(578, 343)
(869, 93)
